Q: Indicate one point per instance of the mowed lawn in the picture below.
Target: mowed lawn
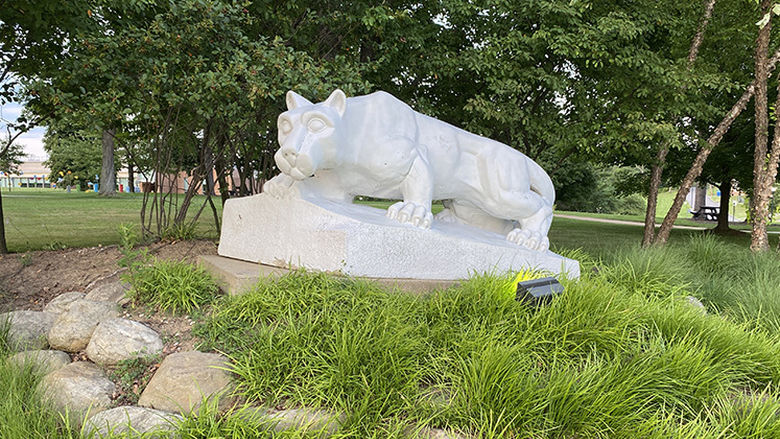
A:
(40, 219)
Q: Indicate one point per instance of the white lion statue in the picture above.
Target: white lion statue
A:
(376, 145)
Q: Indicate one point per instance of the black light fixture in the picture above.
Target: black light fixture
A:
(538, 291)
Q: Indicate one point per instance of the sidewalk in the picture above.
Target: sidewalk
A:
(628, 223)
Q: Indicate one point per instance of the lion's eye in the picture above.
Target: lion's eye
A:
(285, 126)
(316, 125)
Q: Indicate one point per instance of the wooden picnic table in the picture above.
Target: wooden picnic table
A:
(708, 213)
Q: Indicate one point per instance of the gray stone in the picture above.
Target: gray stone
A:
(438, 433)
(356, 240)
(238, 277)
(78, 388)
(696, 303)
(110, 292)
(301, 419)
(61, 303)
(131, 419)
(185, 379)
(28, 329)
(73, 328)
(121, 339)
(43, 362)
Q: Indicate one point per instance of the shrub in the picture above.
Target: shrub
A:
(174, 286)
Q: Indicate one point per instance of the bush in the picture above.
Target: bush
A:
(173, 286)
(584, 187)
(633, 204)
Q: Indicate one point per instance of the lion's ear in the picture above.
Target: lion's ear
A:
(294, 100)
(338, 101)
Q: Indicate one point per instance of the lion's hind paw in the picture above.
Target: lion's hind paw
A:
(411, 213)
(529, 239)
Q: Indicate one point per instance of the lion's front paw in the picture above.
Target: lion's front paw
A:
(281, 187)
(411, 213)
(529, 239)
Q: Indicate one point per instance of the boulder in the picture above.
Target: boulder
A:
(110, 292)
(73, 328)
(121, 339)
(131, 419)
(43, 362)
(696, 303)
(185, 379)
(28, 329)
(61, 303)
(303, 419)
(78, 388)
(438, 433)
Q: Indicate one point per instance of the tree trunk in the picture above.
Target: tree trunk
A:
(208, 165)
(725, 199)
(107, 171)
(759, 202)
(224, 186)
(658, 167)
(652, 196)
(3, 245)
(130, 173)
(704, 153)
(700, 197)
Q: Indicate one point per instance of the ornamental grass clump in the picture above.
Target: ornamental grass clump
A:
(168, 285)
(603, 359)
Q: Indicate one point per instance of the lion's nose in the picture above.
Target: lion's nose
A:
(290, 155)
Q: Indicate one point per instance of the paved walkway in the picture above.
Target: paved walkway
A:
(613, 221)
(637, 223)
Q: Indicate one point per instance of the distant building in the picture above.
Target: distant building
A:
(35, 173)
(29, 174)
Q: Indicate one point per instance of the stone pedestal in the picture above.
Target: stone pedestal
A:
(358, 240)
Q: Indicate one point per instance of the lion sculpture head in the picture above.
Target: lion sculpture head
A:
(310, 135)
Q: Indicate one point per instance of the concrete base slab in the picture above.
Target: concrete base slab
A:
(361, 241)
(238, 277)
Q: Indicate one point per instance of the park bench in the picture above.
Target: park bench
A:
(706, 213)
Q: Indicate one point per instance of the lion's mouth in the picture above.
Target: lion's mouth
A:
(301, 170)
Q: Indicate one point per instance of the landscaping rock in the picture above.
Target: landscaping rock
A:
(110, 292)
(184, 379)
(28, 328)
(121, 339)
(78, 388)
(438, 433)
(73, 328)
(305, 419)
(42, 361)
(139, 420)
(696, 303)
(61, 303)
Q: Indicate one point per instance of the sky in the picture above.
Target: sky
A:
(31, 140)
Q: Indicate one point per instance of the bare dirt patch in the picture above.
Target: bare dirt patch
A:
(30, 280)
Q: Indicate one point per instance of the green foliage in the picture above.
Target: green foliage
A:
(727, 277)
(169, 285)
(180, 232)
(56, 245)
(75, 158)
(23, 413)
(128, 240)
(26, 260)
(601, 360)
(132, 376)
(12, 157)
(584, 187)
